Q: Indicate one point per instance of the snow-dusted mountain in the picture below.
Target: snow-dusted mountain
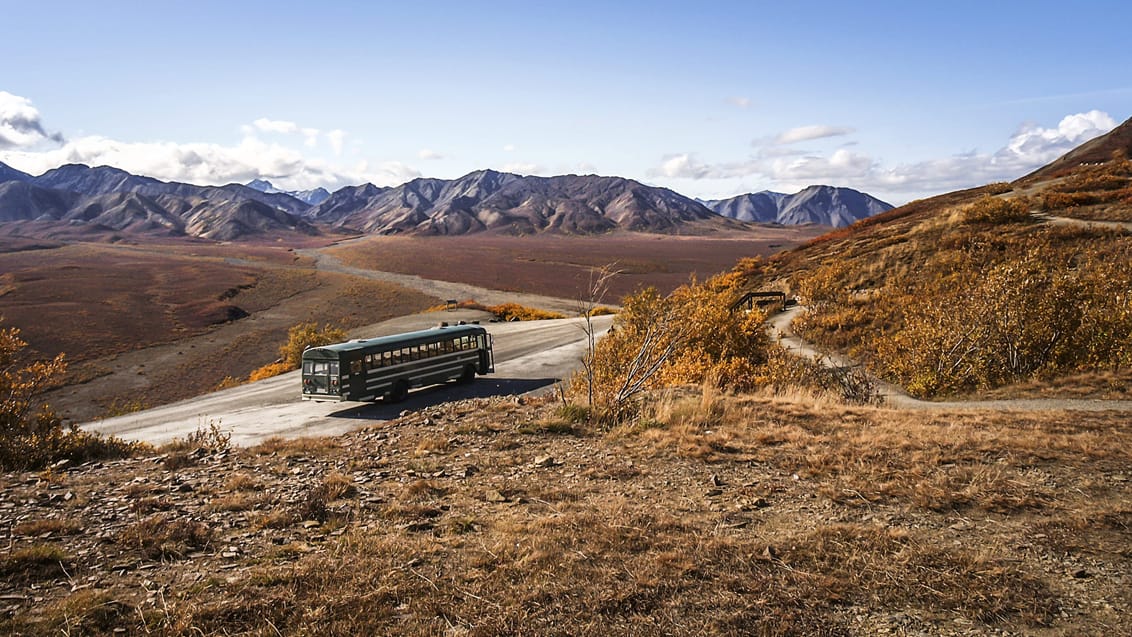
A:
(313, 196)
(490, 201)
(104, 199)
(823, 205)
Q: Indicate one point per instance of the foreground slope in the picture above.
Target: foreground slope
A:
(499, 516)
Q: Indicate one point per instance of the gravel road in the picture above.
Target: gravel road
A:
(528, 356)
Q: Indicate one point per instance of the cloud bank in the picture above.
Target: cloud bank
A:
(1030, 147)
(22, 136)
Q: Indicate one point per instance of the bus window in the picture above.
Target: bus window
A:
(308, 367)
(387, 358)
(334, 368)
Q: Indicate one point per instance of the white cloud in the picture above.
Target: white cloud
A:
(197, 163)
(1037, 144)
(275, 126)
(509, 148)
(428, 153)
(1029, 148)
(523, 168)
(20, 123)
(741, 102)
(336, 137)
(210, 164)
(682, 166)
(814, 131)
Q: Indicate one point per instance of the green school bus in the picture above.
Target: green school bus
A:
(387, 367)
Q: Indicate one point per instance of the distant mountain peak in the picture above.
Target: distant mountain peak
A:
(312, 197)
(7, 173)
(818, 204)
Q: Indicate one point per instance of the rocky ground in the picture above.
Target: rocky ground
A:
(511, 516)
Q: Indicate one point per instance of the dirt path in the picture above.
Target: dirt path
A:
(780, 328)
(1085, 223)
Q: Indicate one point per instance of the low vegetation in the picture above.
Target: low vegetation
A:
(503, 311)
(978, 297)
(694, 336)
(299, 338)
(707, 513)
(31, 435)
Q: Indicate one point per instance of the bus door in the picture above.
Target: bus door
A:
(321, 376)
(487, 357)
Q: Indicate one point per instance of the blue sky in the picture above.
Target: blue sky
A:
(712, 99)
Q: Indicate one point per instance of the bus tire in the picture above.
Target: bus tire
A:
(467, 376)
(399, 392)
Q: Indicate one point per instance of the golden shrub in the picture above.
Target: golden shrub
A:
(995, 210)
(299, 338)
(683, 338)
(31, 435)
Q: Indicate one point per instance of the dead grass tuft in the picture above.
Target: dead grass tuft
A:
(164, 536)
(295, 447)
(45, 527)
(35, 562)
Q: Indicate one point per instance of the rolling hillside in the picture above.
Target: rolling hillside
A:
(1020, 288)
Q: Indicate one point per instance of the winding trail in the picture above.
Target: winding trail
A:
(779, 327)
(1085, 223)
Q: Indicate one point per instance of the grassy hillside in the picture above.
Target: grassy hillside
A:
(1005, 285)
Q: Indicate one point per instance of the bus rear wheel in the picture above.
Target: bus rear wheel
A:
(399, 392)
(467, 376)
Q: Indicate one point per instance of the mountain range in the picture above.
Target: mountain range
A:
(491, 201)
(77, 200)
(824, 205)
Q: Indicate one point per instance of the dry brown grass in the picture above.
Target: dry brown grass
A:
(714, 514)
(45, 527)
(162, 536)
